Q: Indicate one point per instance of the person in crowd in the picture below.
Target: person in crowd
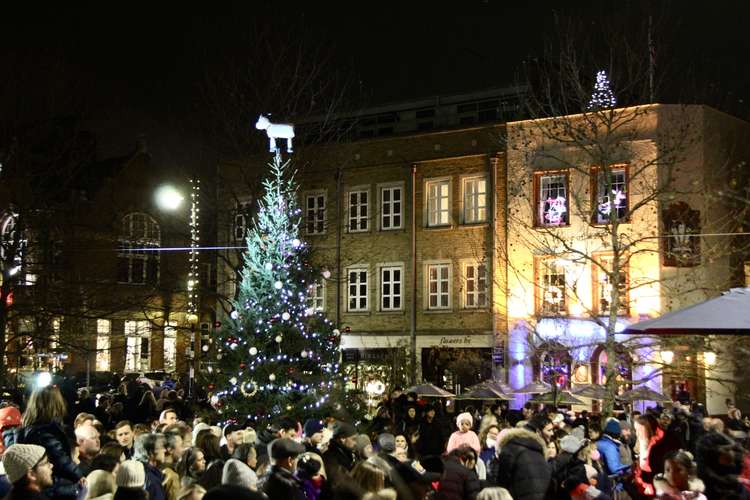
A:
(208, 442)
(494, 493)
(627, 439)
(172, 452)
(85, 403)
(680, 480)
(282, 483)
(238, 472)
(168, 416)
(83, 419)
(309, 472)
(386, 458)
(105, 462)
(42, 425)
(339, 458)
(313, 435)
(246, 454)
(87, 438)
(459, 481)
(287, 428)
(382, 422)
(150, 451)
(570, 476)
(100, 485)
(415, 481)
(522, 463)
(409, 424)
(131, 481)
(464, 435)
(124, 436)
(191, 466)
(29, 471)
(146, 410)
(719, 463)
(363, 447)
(233, 438)
(431, 434)
(609, 447)
(488, 440)
(403, 449)
(673, 439)
(368, 477)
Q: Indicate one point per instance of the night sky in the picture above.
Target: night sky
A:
(140, 65)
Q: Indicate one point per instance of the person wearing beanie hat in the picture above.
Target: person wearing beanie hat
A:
(339, 457)
(313, 430)
(363, 447)
(609, 446)
(464, 435)
(28, 470)
(200, 426)
(237, 472)
(131, 481)
(281, 482)
(100, 485)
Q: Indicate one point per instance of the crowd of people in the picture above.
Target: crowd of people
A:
(410, 450)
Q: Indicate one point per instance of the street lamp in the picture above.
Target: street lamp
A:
(667, 357)
(710, 358)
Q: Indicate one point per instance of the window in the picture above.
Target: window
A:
(390, 288)
(390, 210)
(315, 213)
(137, 345)
(603, 283)
(438, 286)
(170, 348)
(551, 288)
(438, 202)
(682, 228)
(611, 195)
(357, 283)
(551, 199)
(241, 219)
(103, 331)
(206, 276)
(358, 210)
(475, 200)
(475, 295)
(12, 243)
(138, 258)
(316, 296)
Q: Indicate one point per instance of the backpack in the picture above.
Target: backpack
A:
(10, 420)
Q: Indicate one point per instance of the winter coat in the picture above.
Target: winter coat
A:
(610, 451)
(431, 438)
(568, 473)
(53, 439)
(283, 485)
(458, 482)
(522, 465)
(486, 455)
(154, 481)
(468, 438)
(665, 490)
(338, 461)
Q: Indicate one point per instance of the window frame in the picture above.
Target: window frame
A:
(127, 241)
(319, 294)
(596, 273)
(358, 269)
(539, 289)
(428, 265)
(358, 218)
(392, 186)
(103, 361)
(465, 180)
(139, 333)
(476, 265)
(538, 207)
(391, 266)
(427, 184)
(320, 212)
(241, 211)
(594, 179)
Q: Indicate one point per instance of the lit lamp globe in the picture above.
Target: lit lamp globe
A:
(192, 318)
(168, 198)
(710, 358)
(667, 357)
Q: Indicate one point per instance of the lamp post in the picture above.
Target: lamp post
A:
(170, 199)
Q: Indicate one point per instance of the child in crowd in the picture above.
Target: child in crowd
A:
(464, 435)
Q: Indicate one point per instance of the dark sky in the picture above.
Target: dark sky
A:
(140, 63)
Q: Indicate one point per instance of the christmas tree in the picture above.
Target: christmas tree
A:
(278, 355)
(602, 97)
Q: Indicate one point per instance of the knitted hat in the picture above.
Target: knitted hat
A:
(387, 442)
(199, 427)
(613, 427)
(130, 474)
(99, 483)
(19, 458)
(465, 416)
(237, 472)
(313, 426)
(572, 443)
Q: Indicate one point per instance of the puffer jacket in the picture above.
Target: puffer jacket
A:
(610, 451)
(53, 439)
(522, 465)
(283, 485)
(458, 482)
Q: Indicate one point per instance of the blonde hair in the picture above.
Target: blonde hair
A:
(46, 405)
(386, 494)
(369, 477)
(494, 494)
(187, 491)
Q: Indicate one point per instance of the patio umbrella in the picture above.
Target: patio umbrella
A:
(591, 391)
(534, 388)
(496, 385)
(643, 393)
(726, 314)
(563, 398)
(430, 390)
(485, 392)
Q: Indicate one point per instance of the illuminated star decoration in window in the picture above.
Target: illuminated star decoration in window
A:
(555, 210)
(602, 97)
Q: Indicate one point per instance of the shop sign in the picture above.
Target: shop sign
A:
(454, 341)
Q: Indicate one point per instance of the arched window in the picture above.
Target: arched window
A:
(12, 242)
(138, 258)
(553, 364)
(623, 367)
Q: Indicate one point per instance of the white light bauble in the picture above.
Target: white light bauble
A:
(296, 243)
(234, 314)
(278, 339)
(285, 316)
(253, 351)
(268, 266)
(304, 354)
(233, 380)
(272, 377)
(278, 285)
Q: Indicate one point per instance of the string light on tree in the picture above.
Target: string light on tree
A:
(602, 97)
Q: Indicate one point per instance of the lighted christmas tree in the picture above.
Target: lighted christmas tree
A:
(278, 355)
(602, 97)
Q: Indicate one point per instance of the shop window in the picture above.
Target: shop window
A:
(553, 364)
(623, 367)
(438, 286)
(315, 213)
(551, 291)
(475, 280)
(358, 210)
(357, 284)
(603, 282)
(391, 203)
(475, 200)
(438, 202)
(103, 332)
(316, 296)
(138, 257)
(137, 345)
(390, 287)
(170, 348)
(682, 227)
(611, 194)
(551, 199)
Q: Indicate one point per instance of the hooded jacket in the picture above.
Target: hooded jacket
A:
(458, 482)
(522, 465)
